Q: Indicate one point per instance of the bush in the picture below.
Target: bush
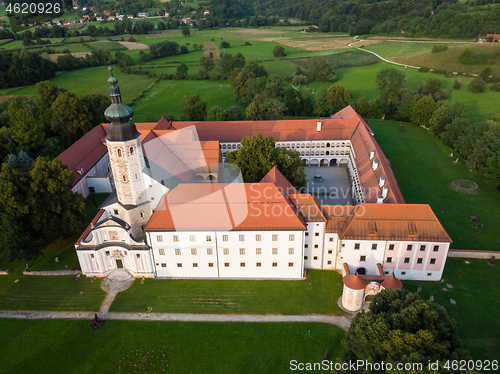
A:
(439, 48)
(495, 87)
(424, 69)
(131, 39)
(279, 51)
(456, 85)
(247, 43)
(224, 44)
(477, 85)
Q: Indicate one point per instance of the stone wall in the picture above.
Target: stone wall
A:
(470, 253)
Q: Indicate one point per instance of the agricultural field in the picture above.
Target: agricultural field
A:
(175, 347)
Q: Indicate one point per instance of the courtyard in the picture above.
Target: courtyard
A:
(334, 186)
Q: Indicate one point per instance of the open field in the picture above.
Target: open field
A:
(396, 48)
(67, 347)
(424, 171)
(317, 294)
(475, 289)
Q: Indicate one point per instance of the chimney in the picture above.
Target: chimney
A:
(380, 199)
(385, 191)
(381, 181)
(318, 126)
(375, 164)
(372, 154)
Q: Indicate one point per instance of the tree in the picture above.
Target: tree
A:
(193, 108)
(456, 84)
(216, 113)
(224, 44)
(391, 83)
(161, 26)
(206, 66)
(233, 113)
(445, 113)
(255, 112)
(258, 155)
(321, 70)
(279, 51)
(363, 107)
(477, 85)
(400, 327)
(185, 30)
(422, 111)
(47, 94)
(182, 70)
(330, 102)
(25, 131)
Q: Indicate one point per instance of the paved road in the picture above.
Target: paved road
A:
(341, 321)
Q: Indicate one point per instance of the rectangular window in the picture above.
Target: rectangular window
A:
(315, 257)
(275, 251)
(179, 265)
(391, 247)
(224, 238)
(193, 251)
(242, 251)
(409, 247)
(429, 274)
(258, 238)
(177, 251)
(209, 238)
(137, 255)
(307, 234)
(436, 248)
(258, 251)
(210, 264)
(242, 264)
(305, 257)
(195, 264)
(374, 246)
(242, 238)
(315, 245)
(356, 246)
(116, 211)
(433, 261)
(290, 251)
(329, 262)
(192, 238)
(226, 264)
(159, 238)
(107, 252)
(210, 251)
(389, 260)
(225, 251)
(275, 238)
(420, 260)
(176, 238)
(422, 248)
(403, 272)
(258, 264)
(331, 239)
(275, 264)
(161, 251)
(291, 238)
(290, 264)
(316, 234)
(306, 245)
(163, 265)
(407, 260)
(330, 251)
(362, 258)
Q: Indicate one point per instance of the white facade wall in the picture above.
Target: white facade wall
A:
(331, 251)
(372, 257)
(235, 254)
(314, 245)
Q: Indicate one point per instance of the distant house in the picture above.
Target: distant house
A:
(111, 18)
(493, 36)
(96, 13)
(107, 13)
(167, 14)
(86, 17)
(143, 15)
(84, 8)
(130, 16)
(193, 12)
(186, 20)
(206, 12)
(99, 19)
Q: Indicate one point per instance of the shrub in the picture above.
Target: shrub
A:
(439, 48)
(247, 43)
(477, 85)
(224, 44)
(495, 87)
(131, 39)
(279, 51)
(456, 85)
(424, 69)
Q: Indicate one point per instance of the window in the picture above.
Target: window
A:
(436, 248)
(305, 257)
(258, 251)
(407, 260)
(389, 260)
(433, 261)
(124, 177)
(195, 264)
(176, 238)
(315, 245)
(131, 150)
(142, 214)
(119, 151)
(316, 234)
(290, 264)
(258, 264)
(275, 264)
(362, 258)
(275, 251)
(429, 274)
(258, 238)
(356, 246)
(91, 255)
(159, 238)
(178, 252)
(242, 238)
(331, 239)
(136, 176)
(422, 248)
(224, 238)
(210, 251)
(226, 264)
(193, 251)
(391, 247)
(330, 251)
(192, 238)
(306, 245)
(291, 238)
(179, 265)
(420, 260)
(403, 272)
(242, 251)
(329, 262)
(242, 264)
(307, 234)
(161, 251)
(209, 238)
(386, 272)
(163, 265)
(275, 238)
(290, 251)
(116, 211)
(409, 247)
(210, 264)
(374, 246)
(225, 251)
(315, 257)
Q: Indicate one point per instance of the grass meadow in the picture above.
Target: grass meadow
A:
(71, 347)
(317, 294)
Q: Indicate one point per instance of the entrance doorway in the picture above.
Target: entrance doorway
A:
(119, 264)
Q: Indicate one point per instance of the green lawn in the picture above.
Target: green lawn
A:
(389, 49)
(166, 96)
(317, 294)
(476, 292)
(424, 171)
(58, 346)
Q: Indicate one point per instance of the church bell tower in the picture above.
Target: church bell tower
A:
(127, 161)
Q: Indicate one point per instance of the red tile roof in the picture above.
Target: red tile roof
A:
(89, 227)
(308, 206)
(336, 216)
(354, 282)
(223, 206)
(275, 176)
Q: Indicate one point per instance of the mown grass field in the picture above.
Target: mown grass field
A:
(476, 293)
(424, 170)
(395, 48)
(71, 347)
(317, 294)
